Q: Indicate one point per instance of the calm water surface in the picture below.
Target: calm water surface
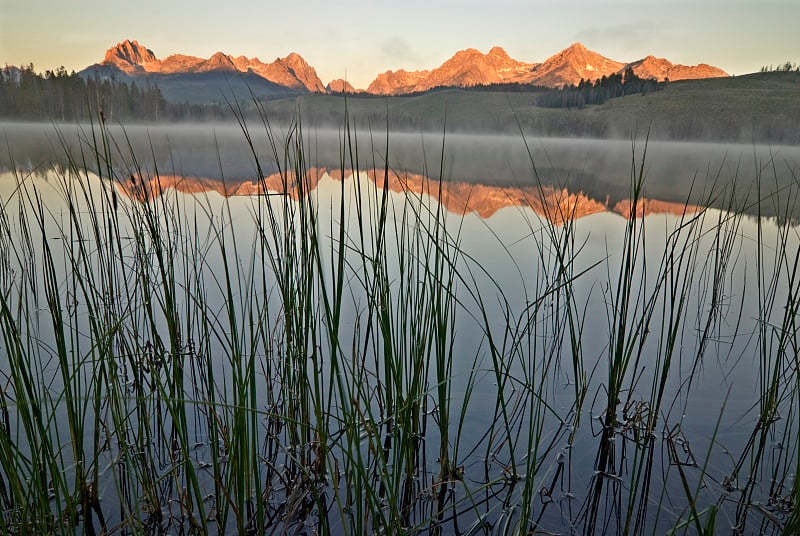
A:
(725, 345)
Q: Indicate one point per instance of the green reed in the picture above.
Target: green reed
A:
(177, 363)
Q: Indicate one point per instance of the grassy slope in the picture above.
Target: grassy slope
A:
(764, 106)
(705, 107)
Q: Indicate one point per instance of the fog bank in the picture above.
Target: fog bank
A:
(674, 171)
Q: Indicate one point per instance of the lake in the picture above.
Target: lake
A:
(290, 334)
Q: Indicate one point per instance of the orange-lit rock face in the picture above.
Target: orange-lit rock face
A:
(150, 187)
(340, 86)
(292, 71)
(130, 57)
(653, 206)
(552, 204)
(146, 188)
(462, 198)
(660, 69)
(572, 65)
(470, 67)
(396, 82)
(466, 68)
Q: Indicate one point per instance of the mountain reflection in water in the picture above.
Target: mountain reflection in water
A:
(554, 204)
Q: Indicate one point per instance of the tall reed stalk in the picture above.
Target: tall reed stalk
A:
(296, 360)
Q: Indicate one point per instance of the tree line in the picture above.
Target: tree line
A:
(60, 96)
(782, 68)
(599, 91)
(575, 95)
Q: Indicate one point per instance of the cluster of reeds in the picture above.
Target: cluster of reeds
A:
(292, 362)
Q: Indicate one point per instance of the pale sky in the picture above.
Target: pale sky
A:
(358, 39)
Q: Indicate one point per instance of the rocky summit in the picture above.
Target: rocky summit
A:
(469, 67)
(136, 60)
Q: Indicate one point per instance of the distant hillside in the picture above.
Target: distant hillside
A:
(759, 107)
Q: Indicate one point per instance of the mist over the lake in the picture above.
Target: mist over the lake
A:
(677, 171)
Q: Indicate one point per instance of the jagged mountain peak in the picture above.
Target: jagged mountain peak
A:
(577, 46)
(135, 59)
(217, 62)
(576, 52)
(130, 57)
(300, 69)
(340, 85)
(467, 52)
(661, 69)
(131, 52)
(295, 58)
(473, 54)
(467, 67)
(572, 64)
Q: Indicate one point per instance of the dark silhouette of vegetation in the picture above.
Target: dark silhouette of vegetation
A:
(571, 96)
(599, 91)
(61, 96)
(782, 68)
(511, 87)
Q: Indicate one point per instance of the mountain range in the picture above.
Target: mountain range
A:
(183, 77)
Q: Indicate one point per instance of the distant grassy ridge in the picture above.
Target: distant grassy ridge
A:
(761, 107)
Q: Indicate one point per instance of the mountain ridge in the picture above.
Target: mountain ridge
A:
(567, 67)
(134, 59)
(466, 68)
